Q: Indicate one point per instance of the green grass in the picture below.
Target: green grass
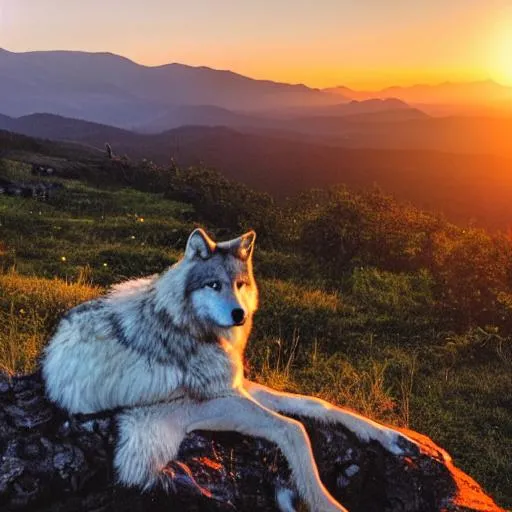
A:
(370, 340)
(114, 233)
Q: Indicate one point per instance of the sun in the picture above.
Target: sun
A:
(500, 61)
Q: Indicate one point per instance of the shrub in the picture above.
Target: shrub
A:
(224, 203)
(368, 229)
(472, 271)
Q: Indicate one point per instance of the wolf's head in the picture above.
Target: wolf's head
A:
(218, 281)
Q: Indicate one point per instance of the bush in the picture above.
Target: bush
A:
(368, 229)
(472, 271)
(224, 203)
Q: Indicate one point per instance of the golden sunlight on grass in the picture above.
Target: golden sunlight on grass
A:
(332, 378)
(300, 296)
(29, 310)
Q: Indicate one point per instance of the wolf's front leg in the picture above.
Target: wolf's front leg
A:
(364, 428)
(149, 438)
(240, 413)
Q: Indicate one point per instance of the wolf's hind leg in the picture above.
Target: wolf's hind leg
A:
(364, 428)
(149, 438)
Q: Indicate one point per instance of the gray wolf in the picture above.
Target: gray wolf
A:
(168, 351)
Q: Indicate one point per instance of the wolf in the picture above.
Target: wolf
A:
(166, 352)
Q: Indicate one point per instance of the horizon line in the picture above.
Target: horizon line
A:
(391, 85)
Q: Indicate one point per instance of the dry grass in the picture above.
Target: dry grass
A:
(332, 378)
(29, 310)
(300, 296)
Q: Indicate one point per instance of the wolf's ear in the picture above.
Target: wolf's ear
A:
(199, 244)
(241, 247)
(246, 247)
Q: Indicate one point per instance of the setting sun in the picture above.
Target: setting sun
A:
(500, 62)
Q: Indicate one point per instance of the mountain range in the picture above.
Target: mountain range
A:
(389, 129)
(320, 118)
(110, 89)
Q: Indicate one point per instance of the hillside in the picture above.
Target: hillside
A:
(467, 188)
(365, 301)
(335, 122)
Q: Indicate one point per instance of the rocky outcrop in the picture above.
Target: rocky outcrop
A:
(51, 462)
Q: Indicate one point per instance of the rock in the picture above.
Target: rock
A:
(41, 190)
(50, 461)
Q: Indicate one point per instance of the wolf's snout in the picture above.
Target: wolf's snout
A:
(238, 316)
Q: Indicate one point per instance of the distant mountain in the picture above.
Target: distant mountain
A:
(110, 89)
(200, 115)
(314, 127)
(402, 129)
(484, 97)
(352, 107)
(115, 91)
(304, 119)
(5, 121)
(49, 126)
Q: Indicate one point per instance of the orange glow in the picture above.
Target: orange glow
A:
(468, 493)
(500, 60)
(206, 461)
(171, 473)
(362, 45)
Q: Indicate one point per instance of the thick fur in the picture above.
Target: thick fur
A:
(168, 350)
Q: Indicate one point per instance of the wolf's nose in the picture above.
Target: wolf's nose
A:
(238, 316)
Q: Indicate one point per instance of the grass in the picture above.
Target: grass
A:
(29, 310)
(371, 341)
(113, 232)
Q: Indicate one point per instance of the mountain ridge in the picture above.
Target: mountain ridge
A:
(479, 96)
(111, 89)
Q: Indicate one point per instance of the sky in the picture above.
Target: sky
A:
(364, 44)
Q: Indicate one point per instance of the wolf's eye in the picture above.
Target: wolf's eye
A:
(214, 285)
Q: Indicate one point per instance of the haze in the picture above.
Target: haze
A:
(362, 44)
